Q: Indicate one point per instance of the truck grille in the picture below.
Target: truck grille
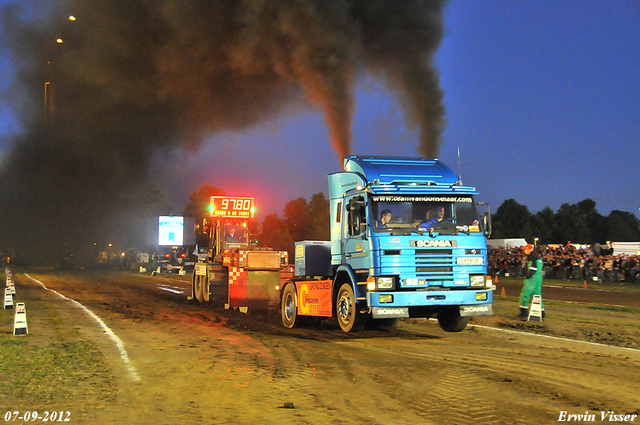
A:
(434, 265)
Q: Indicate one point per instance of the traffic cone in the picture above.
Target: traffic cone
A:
(504, 293)
(20, 320)
(584, 285)
(496, 279)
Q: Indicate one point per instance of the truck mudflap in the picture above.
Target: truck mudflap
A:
(403, 312)
(389, 312)
(476, 310)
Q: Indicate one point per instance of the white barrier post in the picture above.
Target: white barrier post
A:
(535, 311)
(11, 285)
(8, 299)
(20, 320)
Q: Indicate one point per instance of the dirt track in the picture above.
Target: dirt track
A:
(193, 363)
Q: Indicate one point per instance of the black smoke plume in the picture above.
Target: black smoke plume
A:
(132, 77)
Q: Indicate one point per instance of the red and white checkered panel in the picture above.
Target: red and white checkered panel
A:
(236, 274)
(242, 256)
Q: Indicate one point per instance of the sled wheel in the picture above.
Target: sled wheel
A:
(205, 288)
(198, 282)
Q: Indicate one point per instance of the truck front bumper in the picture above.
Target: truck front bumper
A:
(399, 304)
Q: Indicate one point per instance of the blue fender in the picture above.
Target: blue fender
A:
(345, 273)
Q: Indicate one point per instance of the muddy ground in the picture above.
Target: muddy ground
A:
(182, 362)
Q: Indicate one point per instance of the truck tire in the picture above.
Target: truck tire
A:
(384, 324)
(289, 307)
(194, 293)
(205, 288)
(451, 321)
(197, 287)
(349, 318)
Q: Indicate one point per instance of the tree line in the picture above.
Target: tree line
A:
(302, 221)
(576, 223)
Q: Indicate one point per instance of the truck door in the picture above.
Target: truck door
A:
(356, 246)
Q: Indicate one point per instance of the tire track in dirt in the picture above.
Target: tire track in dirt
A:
(341, 389)
(447, 389)
(549, 372)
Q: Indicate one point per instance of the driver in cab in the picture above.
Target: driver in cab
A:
(231, 235)
(438, 218)
(385, 218)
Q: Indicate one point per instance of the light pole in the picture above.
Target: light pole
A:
(49, 88)
(46, 102)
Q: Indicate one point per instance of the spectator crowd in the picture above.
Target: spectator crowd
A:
(567, 262)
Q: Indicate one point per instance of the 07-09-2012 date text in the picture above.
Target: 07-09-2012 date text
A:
(37, 416)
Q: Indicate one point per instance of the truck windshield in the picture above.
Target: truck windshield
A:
(401, 214)
(235, 235)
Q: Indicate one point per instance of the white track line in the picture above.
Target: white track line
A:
(112, 335)
(174, 289)
(556, 338)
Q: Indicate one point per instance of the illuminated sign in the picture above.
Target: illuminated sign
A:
(170, 230)
(231, 207)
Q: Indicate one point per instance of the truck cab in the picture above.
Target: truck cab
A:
(429, 258)
(407, 240)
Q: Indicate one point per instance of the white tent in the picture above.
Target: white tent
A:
(625, 248)
(506, 243)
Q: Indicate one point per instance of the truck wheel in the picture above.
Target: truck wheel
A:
(205, 288)
(197, 287)
(289, 307)
(194, 293)
(384, 324)
(451, 321)
(349, 318)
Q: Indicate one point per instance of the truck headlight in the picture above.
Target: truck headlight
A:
(383, 283)
(477, 280)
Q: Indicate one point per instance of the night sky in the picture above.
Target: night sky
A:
(542, 100)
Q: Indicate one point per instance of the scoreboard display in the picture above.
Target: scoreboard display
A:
(231, 207)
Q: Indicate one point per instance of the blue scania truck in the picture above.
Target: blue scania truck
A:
(406, 241)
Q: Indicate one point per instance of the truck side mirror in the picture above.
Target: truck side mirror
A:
(354, 224)
(486, 224)
(356, 215)
(486, 219)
